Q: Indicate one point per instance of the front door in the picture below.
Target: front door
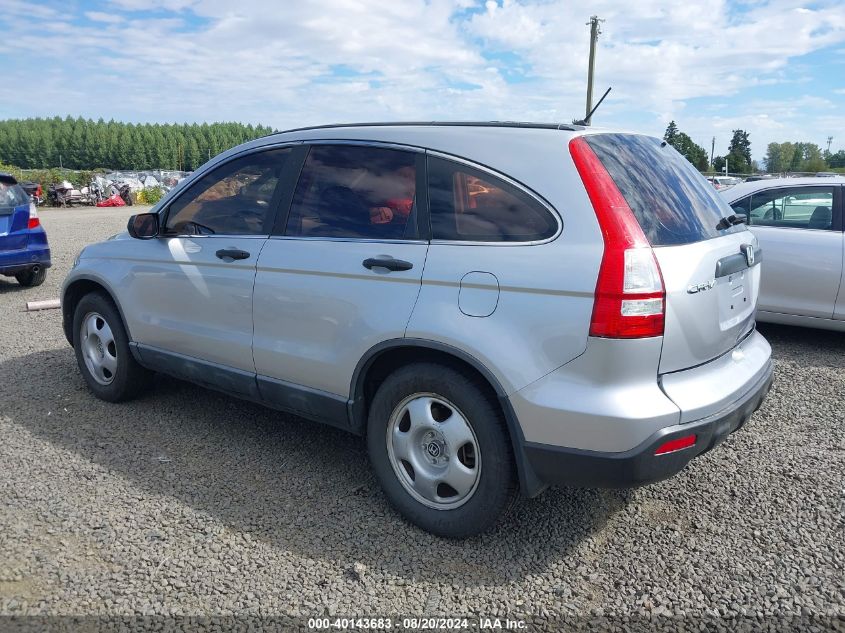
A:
(342, 276)
(192, 292)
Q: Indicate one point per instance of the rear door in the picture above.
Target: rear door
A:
(341, 275)
(14, 216)
(710, 271)
(800, 230)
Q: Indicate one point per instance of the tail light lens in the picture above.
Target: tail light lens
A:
(630, 296)
(33, 217)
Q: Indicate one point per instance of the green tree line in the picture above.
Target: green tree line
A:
(786, 157)
(86, 144)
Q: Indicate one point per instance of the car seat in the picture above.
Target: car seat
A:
(822, 218)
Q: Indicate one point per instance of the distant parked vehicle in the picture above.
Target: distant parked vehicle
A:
(723, 182)
(800, 227)
(34, 191)
(63, 194)
(24, 253)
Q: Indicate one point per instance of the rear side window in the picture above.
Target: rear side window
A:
(469, 204)
(11, 197)
(355, 191)
(672, 202)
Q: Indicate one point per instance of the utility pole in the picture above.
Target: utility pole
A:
(595, 30)
(712, 150)
(829, 141)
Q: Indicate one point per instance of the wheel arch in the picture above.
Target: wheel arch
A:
(389, 355)
(72, 295)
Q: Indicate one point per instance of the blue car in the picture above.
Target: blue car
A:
(24, 252)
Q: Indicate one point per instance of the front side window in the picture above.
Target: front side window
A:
(233, 199)
(355, 191)
(793, 207)
(468, 204)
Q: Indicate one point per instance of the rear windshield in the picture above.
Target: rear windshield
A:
(673, 203)
(11, 196)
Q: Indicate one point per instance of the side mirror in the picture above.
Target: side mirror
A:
(143, 226)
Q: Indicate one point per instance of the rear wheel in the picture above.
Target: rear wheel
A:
(440, 449)
(102, 351)
(35, 276)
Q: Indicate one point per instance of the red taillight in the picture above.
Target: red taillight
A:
(630, 296)
(33, 217)
(676, 445)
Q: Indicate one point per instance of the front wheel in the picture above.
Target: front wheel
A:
(440, 449)
(102, 351)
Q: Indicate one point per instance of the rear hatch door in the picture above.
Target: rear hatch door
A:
(709, 265)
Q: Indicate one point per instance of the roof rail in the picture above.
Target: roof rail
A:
(515, 124)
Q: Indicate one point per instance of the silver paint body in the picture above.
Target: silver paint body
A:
(803, 284)
(304, 311)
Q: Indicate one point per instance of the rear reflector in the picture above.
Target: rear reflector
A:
(676, 445)
(630, 295)
(33, 217)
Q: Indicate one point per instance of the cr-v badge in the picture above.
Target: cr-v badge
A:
(696, 288)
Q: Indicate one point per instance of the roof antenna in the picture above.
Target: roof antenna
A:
(590, 115)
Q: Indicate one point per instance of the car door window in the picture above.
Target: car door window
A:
(355, 191)
(741, 206)
(793, 207)
(469, 204)
(233, 199)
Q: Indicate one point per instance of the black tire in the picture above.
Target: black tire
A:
(129, 380)
(497, 485)
(30, 278)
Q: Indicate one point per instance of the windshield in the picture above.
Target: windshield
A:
(673, 203)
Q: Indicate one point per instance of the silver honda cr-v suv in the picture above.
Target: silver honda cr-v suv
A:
(496, 307)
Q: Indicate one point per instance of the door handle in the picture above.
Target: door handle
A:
(232, 253)
(387, 262)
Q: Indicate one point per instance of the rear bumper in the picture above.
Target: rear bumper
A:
(12, 262)
(557, 465)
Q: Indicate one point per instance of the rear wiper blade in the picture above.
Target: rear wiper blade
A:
(729, 221)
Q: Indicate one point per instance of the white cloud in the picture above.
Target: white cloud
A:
(296, 63)
(99, 16)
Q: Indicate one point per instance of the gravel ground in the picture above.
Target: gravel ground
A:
(189, 502)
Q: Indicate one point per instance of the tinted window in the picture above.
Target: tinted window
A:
(471, 205)
(673, 203)
(741, 206)
(793, 207)
(233, 199)
(11, 196)
(355, 191)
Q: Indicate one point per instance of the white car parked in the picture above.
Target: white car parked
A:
(798, 222)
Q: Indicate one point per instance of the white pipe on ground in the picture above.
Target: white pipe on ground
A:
(48, 304)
